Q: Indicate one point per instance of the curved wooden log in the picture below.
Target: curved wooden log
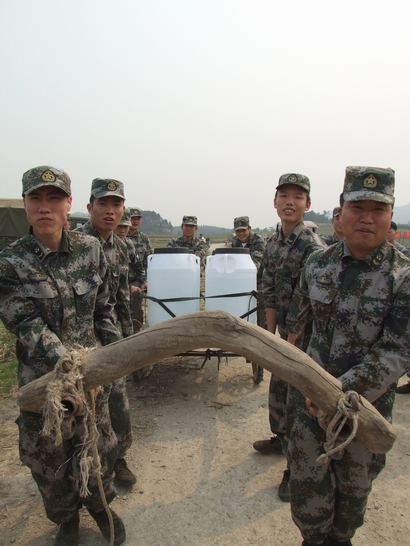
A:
(218, 329)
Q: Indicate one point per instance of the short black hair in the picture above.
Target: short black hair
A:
(393, 225)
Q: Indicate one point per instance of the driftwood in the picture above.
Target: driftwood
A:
(220, 330)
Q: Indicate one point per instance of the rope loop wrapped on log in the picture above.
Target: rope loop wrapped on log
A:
(66, 401)
(346, 418)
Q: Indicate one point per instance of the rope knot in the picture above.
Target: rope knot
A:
(341, 430)
(66, 402)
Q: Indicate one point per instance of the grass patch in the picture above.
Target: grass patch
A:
(8, 377)
(8, 362)
(7, 344)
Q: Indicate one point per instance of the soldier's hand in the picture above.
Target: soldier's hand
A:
(311, 407)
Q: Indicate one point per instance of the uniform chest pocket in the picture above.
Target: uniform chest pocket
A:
(41, 290)
(85, 293)
(322, 298)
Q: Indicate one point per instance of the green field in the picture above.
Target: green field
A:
(8, 362)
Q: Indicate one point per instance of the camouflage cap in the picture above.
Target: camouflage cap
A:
(241, 222)
(335, 212)
(190, 221)
(296, 179)
(104, 187)
(125, 219)
(373, 183)
(135, 212)
(46, 176)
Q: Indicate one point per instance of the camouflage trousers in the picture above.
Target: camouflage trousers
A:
(282, 406)
(120, 415)
(327, 499)
(278, 397)
(56, 470)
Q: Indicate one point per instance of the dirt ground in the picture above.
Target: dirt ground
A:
(200, 483)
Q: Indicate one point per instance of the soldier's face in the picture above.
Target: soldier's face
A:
(188, 231)
(291, 202)
(365, 225)
(122, 231)
(47, 210)
(106, 213)
(136, 221)
(337, 227)
(243, 234)
(391, 235)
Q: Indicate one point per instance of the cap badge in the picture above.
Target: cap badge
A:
(111, 186)
(48, 176)
(370, 181)
(292, 178)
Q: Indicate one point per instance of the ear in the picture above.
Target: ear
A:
(274, 203)
(89, 208)
(308, 203)
(69, 203)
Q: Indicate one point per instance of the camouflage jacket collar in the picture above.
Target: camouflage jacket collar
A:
(42, 251)
(293, 235)
(373, 259)
(92, 230)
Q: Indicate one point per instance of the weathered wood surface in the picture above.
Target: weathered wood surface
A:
(217, 329)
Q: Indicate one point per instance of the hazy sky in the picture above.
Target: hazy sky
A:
(199, 106)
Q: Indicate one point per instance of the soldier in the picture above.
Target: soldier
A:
(337, 233)
(53, 297)
(136, 273)
(358, 294)
(141, 242)
(188, 240)
(286, 253)
(246, 238)
(391, 237)
(106, 208)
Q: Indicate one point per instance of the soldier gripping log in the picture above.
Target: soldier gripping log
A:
(53, 297)
(356, 294)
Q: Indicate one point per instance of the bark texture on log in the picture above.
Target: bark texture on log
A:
(217, 329)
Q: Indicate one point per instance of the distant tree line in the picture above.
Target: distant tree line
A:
(207, 230)
(317, 217)
(153, 223)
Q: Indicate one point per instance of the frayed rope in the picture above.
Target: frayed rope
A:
(347, 410)
(67, 385)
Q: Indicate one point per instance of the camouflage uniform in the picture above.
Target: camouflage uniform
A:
(330, 239)
(53, 301)
(142, 246)
(361, 311)
(285, 258)
(195, 245)
(136, 273)
(116, 253)
(142, 249)
(360, 334)
(256, 247)
(403, 249)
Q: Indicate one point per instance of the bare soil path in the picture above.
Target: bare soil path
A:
(200, 483)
